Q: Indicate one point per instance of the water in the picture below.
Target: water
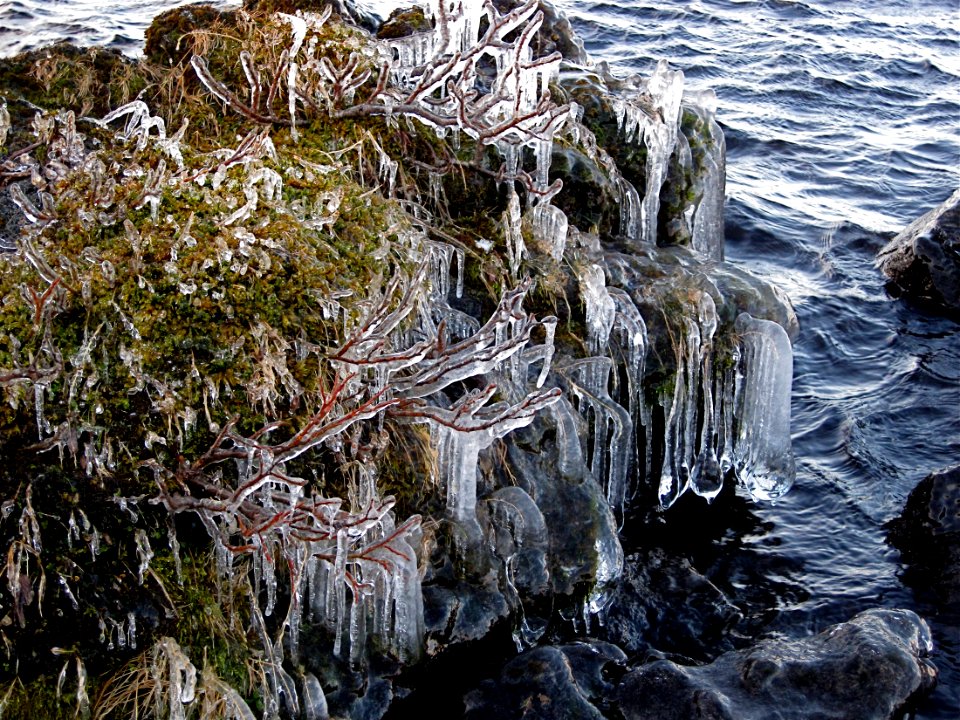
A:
(843, 125)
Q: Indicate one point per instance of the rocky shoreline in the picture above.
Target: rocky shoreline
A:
(335, 361)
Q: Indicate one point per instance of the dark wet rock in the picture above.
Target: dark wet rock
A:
(927, 534)
(663, 603)
(403, 22)
(864, 669)
(923, 261)
(555, 35)
(581, 529)
(461, 613)
(556, 683)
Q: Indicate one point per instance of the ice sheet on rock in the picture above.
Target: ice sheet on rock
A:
(763, 455)
(550, 226)
(710, 178)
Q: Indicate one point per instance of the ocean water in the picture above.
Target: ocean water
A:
(843, 125)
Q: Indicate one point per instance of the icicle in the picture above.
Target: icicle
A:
(457, 454)
(688, 427)
(671, 486)
(666, 88)
(5, 124)
(569, 454)
(708, 226)
(314, 701)
(407, 628)
(599, 306)
(180, 676)
(631, 210)
(292, 98)
(83, 700)
(707, 478)
(763, 457)
(337, 588)
(727, 404)
(174, 548)
(68, 592)
(512, 233)
(550, 226)
(612, 427)
(144, 553)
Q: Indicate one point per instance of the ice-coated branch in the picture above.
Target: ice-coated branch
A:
(225, 95)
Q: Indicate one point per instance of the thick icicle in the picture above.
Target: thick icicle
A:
(600, 307)
(313, 698)
(569, 451)
(763, 456)
(710, 177)
(706, 479)
(666, 88)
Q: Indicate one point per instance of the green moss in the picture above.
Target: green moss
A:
(39, 699)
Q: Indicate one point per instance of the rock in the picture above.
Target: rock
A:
(664, 603)
(552, 683)
(923, 261)
(168, 39)
(928, 535)
(582, 533)
(864, 669)
(461, 613)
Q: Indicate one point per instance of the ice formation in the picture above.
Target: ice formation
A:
(763, 457)
(351, 563)
(610, 424)
(709, 166)
(550, 227)
(650, 115)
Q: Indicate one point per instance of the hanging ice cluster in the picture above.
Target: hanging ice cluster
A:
(650, 116)
(725, 406)
(763, 457)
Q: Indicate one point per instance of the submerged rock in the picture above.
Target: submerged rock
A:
(923, 261)
(565, 682)
(927, 534)
(866, 669)
(663, 603)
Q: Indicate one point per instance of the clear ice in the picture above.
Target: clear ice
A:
(763, 456)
